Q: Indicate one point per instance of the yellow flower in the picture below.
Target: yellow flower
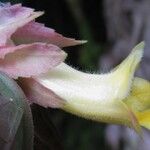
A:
(139, 101)
(115, 97)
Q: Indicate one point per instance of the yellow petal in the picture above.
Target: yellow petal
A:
(139, 99)
(96, 96)
(144, 118)
(123, 74)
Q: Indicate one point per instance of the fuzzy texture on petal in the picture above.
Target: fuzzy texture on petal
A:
(37, 93)
(12, 18)
(30, 59)
(36, 32)
(97, 97)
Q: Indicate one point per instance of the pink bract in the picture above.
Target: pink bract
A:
(28, 48)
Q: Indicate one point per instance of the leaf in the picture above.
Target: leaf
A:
(15, 117)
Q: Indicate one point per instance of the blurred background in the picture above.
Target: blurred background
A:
(112, 28)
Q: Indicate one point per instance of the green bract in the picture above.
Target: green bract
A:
(15, 117)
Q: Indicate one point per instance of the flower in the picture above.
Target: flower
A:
(28, 48)
(115, 97)
(31, 51)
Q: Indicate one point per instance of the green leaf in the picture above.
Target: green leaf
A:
(15, 117)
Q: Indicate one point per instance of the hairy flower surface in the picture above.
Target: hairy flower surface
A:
(115, 97)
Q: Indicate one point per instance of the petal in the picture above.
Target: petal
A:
(124, 73)
(29, 34)
(36, 93)
(139, 99)
(92, 96)
(88, 96)
(13, 17)
(117, 113)
(68, 82)
(144, 118)
(31, 59)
